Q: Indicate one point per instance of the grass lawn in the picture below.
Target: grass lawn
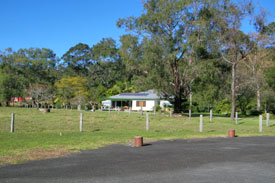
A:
(38, 135)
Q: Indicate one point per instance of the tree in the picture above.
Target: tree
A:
(12, 82)
(107, 67)
(77, 60)
(233, 43)
(173, 31)
(131, 52)
(260, 54)
(72, 90)
(40, 93)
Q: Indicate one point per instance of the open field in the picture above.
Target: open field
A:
(37, 135)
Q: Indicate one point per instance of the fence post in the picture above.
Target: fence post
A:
(190, 113)
(267, 119)
(147, 121)
(201, 123)
(260, 123)
(12, 122)
(236, 118)
(170, 113)
(211, 115)
(81, 121)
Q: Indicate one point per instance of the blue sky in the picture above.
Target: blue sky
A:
(61, 24)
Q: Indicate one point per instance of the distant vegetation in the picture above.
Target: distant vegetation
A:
(187, 50)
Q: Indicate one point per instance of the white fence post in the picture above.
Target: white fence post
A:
(12, 122)
(267, 119)
(190, 114)
(170, 113)
(81, 122)
(211, 115)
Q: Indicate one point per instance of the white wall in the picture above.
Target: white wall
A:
(162, 102)
(149, 105)
(106, 103)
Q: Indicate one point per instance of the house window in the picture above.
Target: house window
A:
(141, 103)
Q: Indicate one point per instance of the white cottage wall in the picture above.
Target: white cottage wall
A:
(149, 105)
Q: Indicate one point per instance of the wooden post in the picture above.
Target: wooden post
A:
(141, 111)
(201, 123)
(81, 120)
(147, 121)
(170, 113)
(260, 123)
(190, 113)
(211, 115)
(267, 119)
(236, 118)
(12, 122)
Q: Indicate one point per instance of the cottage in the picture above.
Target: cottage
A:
(135, 101)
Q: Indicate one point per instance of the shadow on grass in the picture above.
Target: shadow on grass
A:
(211, 131)
(146, 144)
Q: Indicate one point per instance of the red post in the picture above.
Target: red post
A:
(231, 133)
(138, 142)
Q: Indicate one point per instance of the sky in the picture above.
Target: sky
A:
(61, 24)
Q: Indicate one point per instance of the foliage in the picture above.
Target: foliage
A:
(77, 60)
(223, 107)
(120, 87)
(72, 90)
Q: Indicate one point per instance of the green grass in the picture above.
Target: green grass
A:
(37, 135)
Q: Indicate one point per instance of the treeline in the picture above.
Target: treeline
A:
(193, 52)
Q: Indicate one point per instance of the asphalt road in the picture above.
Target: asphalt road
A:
(218, 160)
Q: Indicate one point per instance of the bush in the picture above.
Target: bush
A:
(223, 107)
(157, 107)
(271, 116)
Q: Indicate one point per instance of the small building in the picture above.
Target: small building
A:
(145, 101)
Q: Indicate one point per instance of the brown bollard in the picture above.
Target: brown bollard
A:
(138, 141)
(231, 133)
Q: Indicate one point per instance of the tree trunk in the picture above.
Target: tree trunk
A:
(258, 98)
(177, 104)
(177, 85)
(233, 92)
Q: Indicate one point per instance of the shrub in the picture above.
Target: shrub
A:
(157, 107)
(271, 116)
(223, 107)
